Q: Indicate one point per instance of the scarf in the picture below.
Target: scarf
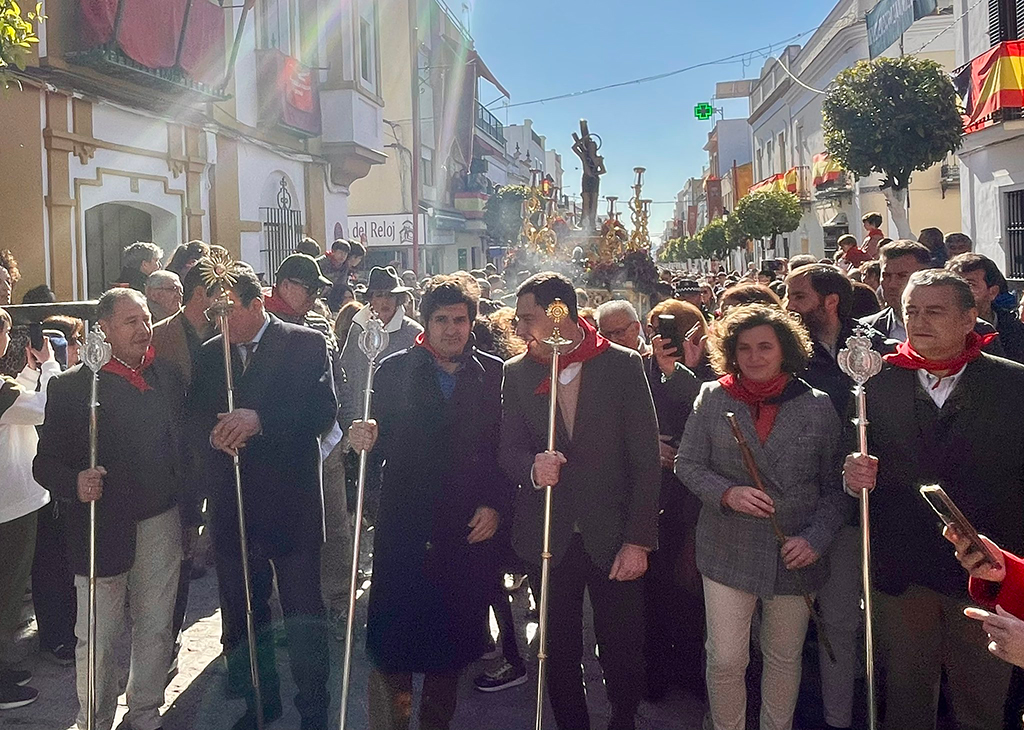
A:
(908, 358)
(762, 398)
(421, 341)
(276, 305)
(133, 376)
(593, 345)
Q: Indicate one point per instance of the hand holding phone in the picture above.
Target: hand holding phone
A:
(957, 526)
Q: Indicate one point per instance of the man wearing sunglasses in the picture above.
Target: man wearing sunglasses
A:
(293, 298)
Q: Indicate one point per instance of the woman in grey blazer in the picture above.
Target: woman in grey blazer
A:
(793, 432)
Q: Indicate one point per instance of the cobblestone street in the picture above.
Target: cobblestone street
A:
(196, 699)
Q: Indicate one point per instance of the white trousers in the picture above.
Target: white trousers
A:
(783, 627)
(146, 593)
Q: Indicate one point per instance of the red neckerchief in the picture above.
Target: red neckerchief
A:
(593, 345)
(276, 305)
(760, 397)
(132, 376)
(907, 357)
(421, 341)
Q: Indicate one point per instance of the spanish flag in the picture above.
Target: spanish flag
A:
(792, 180)
(992, 81)
(825, 170)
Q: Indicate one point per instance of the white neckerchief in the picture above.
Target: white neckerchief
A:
(363, 316)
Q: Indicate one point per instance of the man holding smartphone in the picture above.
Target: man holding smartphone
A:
(941, 412)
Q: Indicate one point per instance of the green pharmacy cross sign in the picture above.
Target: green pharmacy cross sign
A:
(704, 111)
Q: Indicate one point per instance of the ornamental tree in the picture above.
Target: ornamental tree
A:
(503, 213)
(16, 39)
(712, 241)
(767, 214)
(892, 116)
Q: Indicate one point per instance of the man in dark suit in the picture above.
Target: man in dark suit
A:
(284, 399)
(607, 476)
(899, 261)
(139, 488)
(942, 412)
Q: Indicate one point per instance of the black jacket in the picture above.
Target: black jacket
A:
(128, 423)
(288, 383)
(430, 586)
(824, 374)
(973, 447)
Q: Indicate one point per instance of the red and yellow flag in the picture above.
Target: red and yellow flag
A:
(992, 81)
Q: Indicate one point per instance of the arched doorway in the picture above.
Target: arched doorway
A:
(109, 228)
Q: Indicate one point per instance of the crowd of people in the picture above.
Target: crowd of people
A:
(694, 563)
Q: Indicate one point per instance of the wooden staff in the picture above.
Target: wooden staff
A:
(780, 536)
(95, 355)
(373, 341)
(557, 311)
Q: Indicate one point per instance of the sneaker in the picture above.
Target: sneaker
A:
(501, 678)
(62, 655)
(13, 696)
(18, 677)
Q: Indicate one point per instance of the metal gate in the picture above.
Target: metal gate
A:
(1015, 233)
(282, 231)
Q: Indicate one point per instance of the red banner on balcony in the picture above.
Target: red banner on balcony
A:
(288, 92)
(775, 182)
(992, 81)
(150, 32)
(825, 170)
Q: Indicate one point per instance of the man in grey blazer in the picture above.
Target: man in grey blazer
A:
(606, 475)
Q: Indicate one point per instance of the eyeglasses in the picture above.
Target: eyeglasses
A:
(612, 334)
(310, 289)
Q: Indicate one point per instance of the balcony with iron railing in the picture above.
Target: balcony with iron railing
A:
(490, 125)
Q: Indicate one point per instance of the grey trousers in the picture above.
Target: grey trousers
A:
(147, 590)
(18, 538)
(839, 601)
(336, 554)
(923, 633)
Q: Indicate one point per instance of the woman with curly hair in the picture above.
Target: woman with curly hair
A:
(9, 276)
(793, 432)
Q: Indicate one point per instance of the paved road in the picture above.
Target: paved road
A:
(196, 699)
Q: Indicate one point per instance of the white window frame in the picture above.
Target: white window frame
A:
(368, 58)
(279, 26)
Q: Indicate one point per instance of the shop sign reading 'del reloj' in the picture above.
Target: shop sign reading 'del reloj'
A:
(386, 230)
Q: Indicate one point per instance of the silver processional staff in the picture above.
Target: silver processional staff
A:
(861, 362)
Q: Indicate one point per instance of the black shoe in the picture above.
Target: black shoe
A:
(19, 677)
(62, 655)
(14, 695)
(503, 677)
(271, 711)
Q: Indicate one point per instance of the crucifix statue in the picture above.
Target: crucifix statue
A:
(586, 145)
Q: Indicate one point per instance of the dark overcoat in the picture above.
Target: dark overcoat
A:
(429, 599)
(289, 384)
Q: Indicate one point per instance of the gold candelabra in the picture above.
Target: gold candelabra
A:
(542, 238)
(641, 214)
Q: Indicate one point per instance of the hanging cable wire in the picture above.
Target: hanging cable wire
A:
(657, 77)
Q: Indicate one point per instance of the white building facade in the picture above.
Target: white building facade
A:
(992, 156)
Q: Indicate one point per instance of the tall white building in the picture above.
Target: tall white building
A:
(788, 140)
(992, 157)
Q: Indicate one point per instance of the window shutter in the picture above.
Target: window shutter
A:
(1020, 20)
(995, 22)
